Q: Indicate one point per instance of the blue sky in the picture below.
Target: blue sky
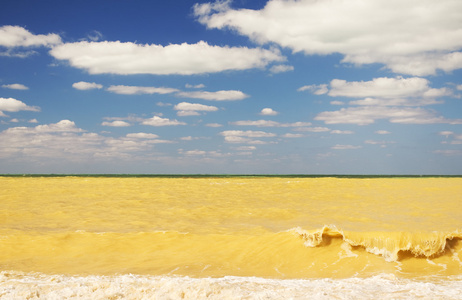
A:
(226, 87)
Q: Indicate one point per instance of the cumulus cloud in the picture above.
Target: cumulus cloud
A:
(408, 91)
(142, 135)
(419, 38)
(184, 59)
(116, 123)
(341, 132)
(16, 36)
(227, 95)
(158, 121)
(281, 69)
(137, 90)
(13, 105)
(239, 136)
(268, 112)
(192, 109)
(15, 86)
(82, 85)
(397, 99)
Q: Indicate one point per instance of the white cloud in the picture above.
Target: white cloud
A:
(382, 143)
(213, 125)
(65, 141)
(13, 105)
(342, 132)
(313, 129)
(238, 136)
(246, 148)
(195, 152)
(395, 91)
(248, 133)
(61, 126)
(163, 104)
(185, 59)
(268, 112)
(293, 135)
(158, 121)
(15, 86)
(192, 86)
(266, 123)
(186, 113)
(94, 36)
(116, 123)
(12, 52)
(281, 69)
(345, 147)
(33, 121)
(316, 89)
(137, 90)
(446, 133)
(418, 38)
(337, 103)
(16, 36)
(82, 85)
(369, 114)
(449, 152)
(142, 135)
(386, 98)
(229, 95)
(395, 102)
(382, 132)
(192, 109)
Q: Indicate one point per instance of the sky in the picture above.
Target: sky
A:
(231, 87)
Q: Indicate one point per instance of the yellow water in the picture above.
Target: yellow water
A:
(298, 228)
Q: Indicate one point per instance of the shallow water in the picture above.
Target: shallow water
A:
(250, 236)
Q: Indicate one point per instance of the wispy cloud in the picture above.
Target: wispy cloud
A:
(268, 123)
(138, 90)
(15, 86)
(226, 95)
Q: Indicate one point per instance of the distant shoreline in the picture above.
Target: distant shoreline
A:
(229, 175)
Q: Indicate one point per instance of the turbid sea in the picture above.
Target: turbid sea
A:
(230, 237)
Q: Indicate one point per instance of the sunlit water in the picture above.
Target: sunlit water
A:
(237, 237)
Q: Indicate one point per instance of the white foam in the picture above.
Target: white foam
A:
(40, 286)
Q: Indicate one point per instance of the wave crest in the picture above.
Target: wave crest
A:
(387, 244)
